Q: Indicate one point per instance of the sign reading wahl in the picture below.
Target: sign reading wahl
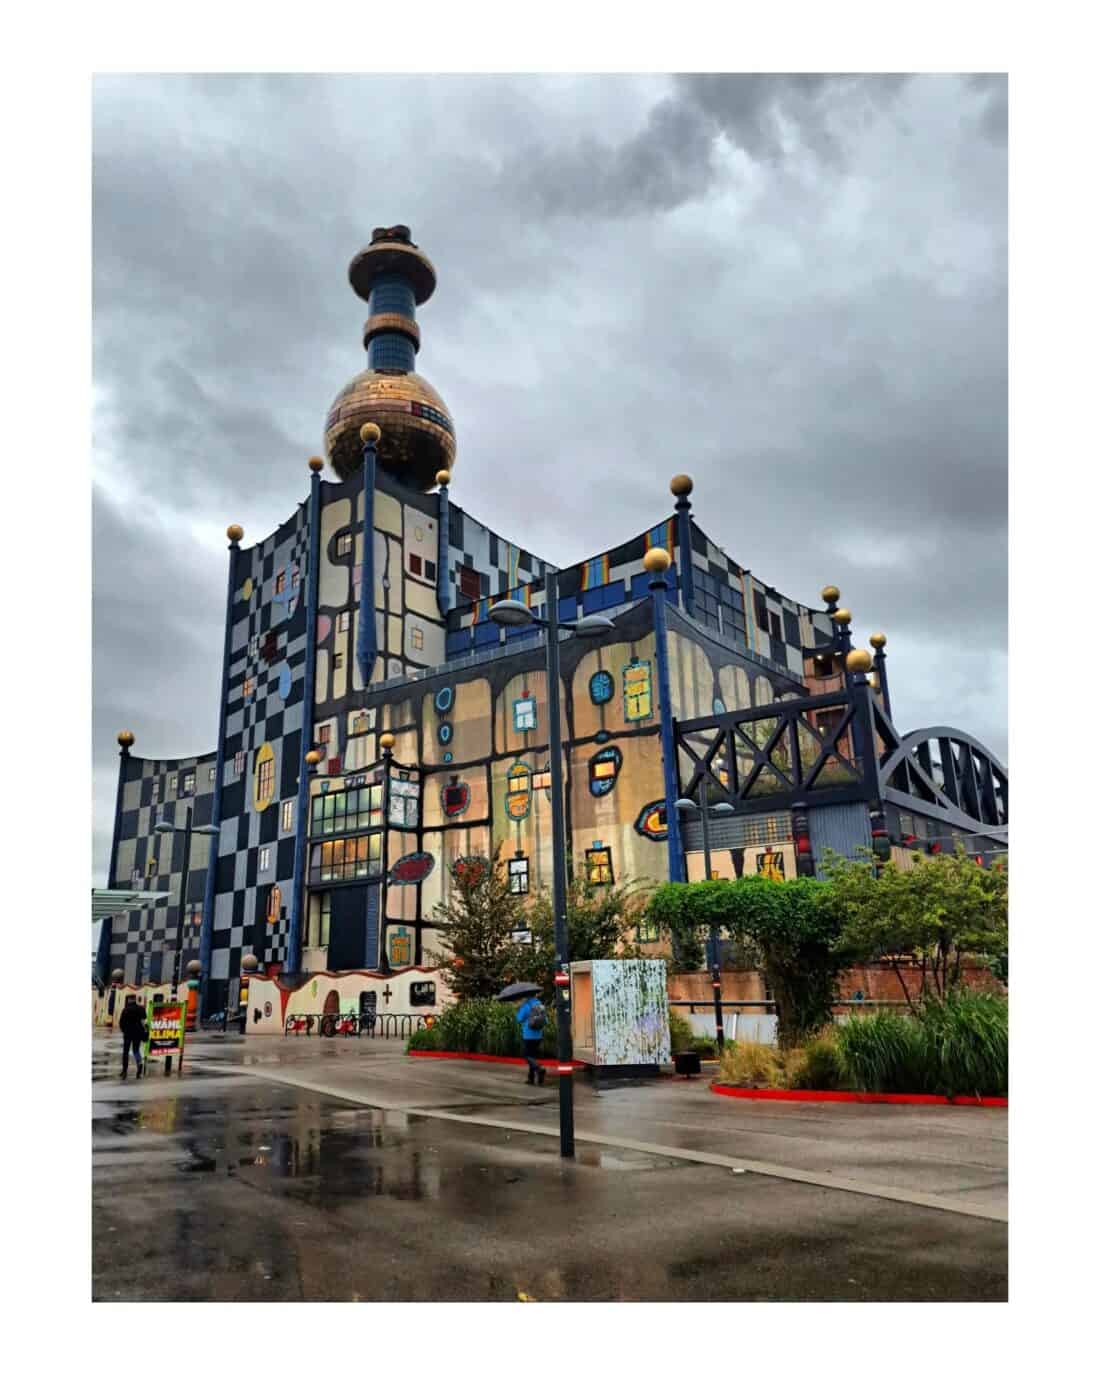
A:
(167, 1023)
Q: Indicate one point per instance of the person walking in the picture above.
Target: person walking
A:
(132, 1025)
(532, 1019)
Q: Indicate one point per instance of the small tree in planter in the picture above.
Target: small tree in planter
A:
(930, 917)
(478, 920)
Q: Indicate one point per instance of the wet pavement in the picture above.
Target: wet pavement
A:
(221, 1184)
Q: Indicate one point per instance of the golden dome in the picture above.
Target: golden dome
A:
(443, 477)
(657, 561)
(842, 616)
(234, 534)
(387, 740)
(830, 593)
(858, 661)
(316, 463)
(681, 485)
(878, 639)
(126, 738)
(418, 435)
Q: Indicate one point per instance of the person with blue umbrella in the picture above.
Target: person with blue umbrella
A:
(531, 1016)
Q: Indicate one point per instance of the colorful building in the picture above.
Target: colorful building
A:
(376, 725)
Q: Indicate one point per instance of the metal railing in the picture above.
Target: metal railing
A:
(400, 1025)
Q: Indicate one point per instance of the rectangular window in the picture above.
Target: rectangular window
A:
(326, 916)
(173, 783)
(415, 565)
(775, 626)
(337, 661)
(335, 861)
(288, 815)
(295, 576)
(416, 635)
(343, 545)
(523, 713)
(469, 583)
(135, 875)
(254, 646)
(151, 869)
(154, 796)
(188, 784)
(358, 809)
(343, 621)
(404, 810)
(648, 932)
(637, 691)
(760, 606)
(238, 762)
(265, 780)
(265, 856)
(518, 875)
(280, 581)
(823, 666)
(429, 570)
(249, 687)
(324, 734)
(541, 779)
(598, 865)
(213, 773)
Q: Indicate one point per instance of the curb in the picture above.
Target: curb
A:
(838, 1096)
(490, 1059)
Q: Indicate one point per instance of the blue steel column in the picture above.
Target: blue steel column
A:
(657, 563)
(681, 488)
(366, 642)
(206, 933)
(442, 574)
(301, 813)
(125, 740)
(878, 641)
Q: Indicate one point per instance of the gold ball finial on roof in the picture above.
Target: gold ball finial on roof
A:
(858, 661)
(370, 433)
(316, 463)
(830, 593)
(313, 758)
(234, 534)
(842, 616)
(657, 561)
(126, 738)
(878, 639)
(249, 963)
(443, 477)
(387, 740)
(681, 485)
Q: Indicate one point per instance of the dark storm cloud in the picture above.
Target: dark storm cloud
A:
(793, 287)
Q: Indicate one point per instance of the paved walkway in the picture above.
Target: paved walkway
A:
(952, 1159)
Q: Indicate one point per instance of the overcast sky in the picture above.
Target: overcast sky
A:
(793, 288)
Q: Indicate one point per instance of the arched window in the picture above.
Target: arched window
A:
(274, 904)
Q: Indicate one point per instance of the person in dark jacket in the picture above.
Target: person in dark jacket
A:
(132, 1025)
(531, 1017)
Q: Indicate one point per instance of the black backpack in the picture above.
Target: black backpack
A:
(536, 1018)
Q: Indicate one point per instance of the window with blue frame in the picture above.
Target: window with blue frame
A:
(601, 687)
(523, 713)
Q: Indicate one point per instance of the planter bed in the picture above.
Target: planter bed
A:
(491, 1059)
(839, 1096)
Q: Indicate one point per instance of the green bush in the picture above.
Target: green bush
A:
(815, 1065)
(704, 1046)
(957, 1047)
(680, 1033)
(481, 1026)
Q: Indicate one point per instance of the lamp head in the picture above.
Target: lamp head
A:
(510, 612)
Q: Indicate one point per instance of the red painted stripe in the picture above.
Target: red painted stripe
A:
(837, 1096)
(493, 1059)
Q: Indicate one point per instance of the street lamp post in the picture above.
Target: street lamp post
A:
(686, 807)
(516, 613)
(187, 830)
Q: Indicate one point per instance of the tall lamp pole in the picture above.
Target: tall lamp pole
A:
(515, 613)
(187, 831)
(689, 809)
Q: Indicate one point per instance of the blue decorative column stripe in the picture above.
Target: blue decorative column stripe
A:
(366, 643)
(206, 933)
(442, 575)
(684, 561)
(658, 586)
(301, 814)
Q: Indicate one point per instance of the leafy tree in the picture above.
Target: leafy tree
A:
(796, 937)
(929, 917)
(600, 921)
(477, 922)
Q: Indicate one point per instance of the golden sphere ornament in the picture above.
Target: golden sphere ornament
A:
(657, 561)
